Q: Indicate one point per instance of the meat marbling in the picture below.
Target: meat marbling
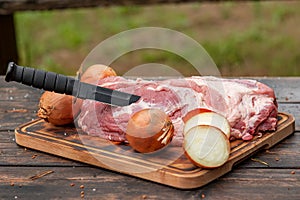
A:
(249, 106)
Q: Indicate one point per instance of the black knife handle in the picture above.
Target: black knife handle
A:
(40, 79)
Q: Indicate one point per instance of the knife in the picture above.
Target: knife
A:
(67, 85)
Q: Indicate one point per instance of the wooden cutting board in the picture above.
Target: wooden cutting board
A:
(168, 166)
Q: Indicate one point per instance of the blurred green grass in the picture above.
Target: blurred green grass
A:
(244, 39)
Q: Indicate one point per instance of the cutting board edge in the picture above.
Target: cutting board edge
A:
(180, 180)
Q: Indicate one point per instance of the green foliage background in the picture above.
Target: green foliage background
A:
(244, 39)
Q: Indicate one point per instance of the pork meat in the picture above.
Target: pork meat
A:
(249, 106)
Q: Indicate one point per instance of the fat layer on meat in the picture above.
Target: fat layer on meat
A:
(249, 106)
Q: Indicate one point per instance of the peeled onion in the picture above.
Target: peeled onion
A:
(206, 138)
(149, 130)
(206, 146)
(203, 116)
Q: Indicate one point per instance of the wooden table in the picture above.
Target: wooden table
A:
(73, 180)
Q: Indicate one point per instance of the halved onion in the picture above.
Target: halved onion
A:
(202, 116)
(206, 146)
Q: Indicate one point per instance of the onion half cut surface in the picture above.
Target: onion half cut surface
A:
(206, 146)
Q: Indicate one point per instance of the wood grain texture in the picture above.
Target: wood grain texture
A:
(293, 109)
(286, 89)
(248, 180)
(286, 154)
(168, 166)
(12, 91)
(10, 6)
(102, 184)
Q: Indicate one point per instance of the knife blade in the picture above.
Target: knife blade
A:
(59, 83)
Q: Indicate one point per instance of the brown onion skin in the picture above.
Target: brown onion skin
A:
(96, 72)
(60, 109)
(147, 129)
(92, 75)
(56, 108)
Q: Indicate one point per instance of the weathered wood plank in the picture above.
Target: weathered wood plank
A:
(286, 154)
(248, 179)
(21, 95)
(13, 114)
(18, 96)
(33, 158)
(289, 147)
(293, 109)
(18, 107)
(12, 154)
(100, 184)
(67, 143)
(13, 91)
(9, 121)
(255, 184)
(283, 155)
(286, 88)
(10, 6)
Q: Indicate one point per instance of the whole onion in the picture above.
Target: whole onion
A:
(149, 130)
(56, 108)
(60, 109)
